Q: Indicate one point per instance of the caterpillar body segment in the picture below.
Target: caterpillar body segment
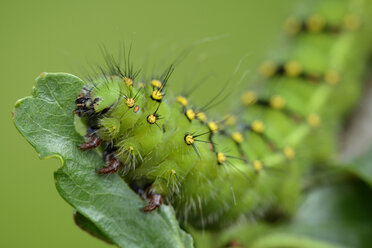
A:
(214, 171)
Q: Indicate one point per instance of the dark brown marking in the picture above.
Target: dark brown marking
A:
(114, 165)
(155, 202)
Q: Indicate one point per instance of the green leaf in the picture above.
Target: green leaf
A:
(47, 121)
(88, 226)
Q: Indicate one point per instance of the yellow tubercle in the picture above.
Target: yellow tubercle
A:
(258, 126)
(151, 119)
(277, 102)
(293, 68)
(314, 120)
(190, 114)
(268, 69)
(249, 98)
(189, 139)
(157, 95)
(201, 116)
(156, 83)
(257, 165)
(289, 153)
(128, 81)
(182, 100)
(237, 137)
(213, 126)
(230, 120)
(221, 158)
(315, 23)
(130, 102)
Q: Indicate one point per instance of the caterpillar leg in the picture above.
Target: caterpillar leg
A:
(114, 165)
(166, 183)
(93, 142)
(155, 202)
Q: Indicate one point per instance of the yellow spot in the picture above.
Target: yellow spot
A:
(351, 22)
(157, 95)
(292, 25)
(151, 119)
(190, 114)
(201, 116)
(237, 137)
(314, 120)
(221, 158)
(182, 100)
(268, 69)
(129, 102)
(130, 148)
(315, 23)
(293, 68)
(173, 172)
(258, 126)
(189, 139)
(289, 153)
(332, 77)
(249, 98)
(257, 165)
(277, 102)
(156, 83)
(141, 85)
(213, 126)
(128, 81)
(230, 120)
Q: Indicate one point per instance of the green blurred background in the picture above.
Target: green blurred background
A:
(64, 36)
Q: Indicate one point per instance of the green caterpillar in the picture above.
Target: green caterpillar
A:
(215, 170)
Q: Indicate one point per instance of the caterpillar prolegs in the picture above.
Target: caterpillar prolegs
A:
(215, 169)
